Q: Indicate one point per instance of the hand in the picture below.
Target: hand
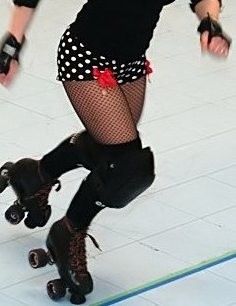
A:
(9, 58)
(6, 79)
(218, 46)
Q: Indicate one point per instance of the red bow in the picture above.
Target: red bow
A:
(105, 78)
(149, 70)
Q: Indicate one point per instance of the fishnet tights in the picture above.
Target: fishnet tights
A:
(135, 96)
(111, 118)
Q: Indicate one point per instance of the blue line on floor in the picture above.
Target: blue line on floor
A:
(166, 280)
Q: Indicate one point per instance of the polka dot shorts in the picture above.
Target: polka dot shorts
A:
(76, 62)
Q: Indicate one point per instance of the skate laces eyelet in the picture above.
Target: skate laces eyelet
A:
(77, 251)
(42, 194)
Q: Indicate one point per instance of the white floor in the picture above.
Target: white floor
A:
(186, 217)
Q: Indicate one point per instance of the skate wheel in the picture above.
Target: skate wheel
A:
(37, 217)
(77, 299)
(56, 289)
(14, 214)
(45, 218)
(3, 183)
(38, 258)
(29, 223)
(4, 178)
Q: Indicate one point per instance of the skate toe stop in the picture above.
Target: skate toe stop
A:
(77, 299)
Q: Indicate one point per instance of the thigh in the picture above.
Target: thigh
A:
(107, 117)
(135, 95)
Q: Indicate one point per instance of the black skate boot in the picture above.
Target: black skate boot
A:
(32, 188)
(67, 249)
(32, 185)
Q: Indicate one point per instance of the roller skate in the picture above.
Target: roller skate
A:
(32, 188)
(32, 185)
(67, 249)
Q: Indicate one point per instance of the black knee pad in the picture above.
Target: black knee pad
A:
(78, 150)
(93, 153)
(85, 146)
(116, 184)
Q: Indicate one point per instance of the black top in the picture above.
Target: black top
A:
(118, 29)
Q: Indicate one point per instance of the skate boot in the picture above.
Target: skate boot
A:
(67, 249)
(32, 188)
(32, 185)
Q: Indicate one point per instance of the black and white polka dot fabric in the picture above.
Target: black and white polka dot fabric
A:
(76, 62)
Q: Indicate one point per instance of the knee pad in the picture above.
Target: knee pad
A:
(88, 150)
(116, 184)
(78, 150)
(93, 153)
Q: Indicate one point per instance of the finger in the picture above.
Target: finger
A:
(2, 78)
(215, 41)
(204, 41)
(219, 52)
(218, 46)
(223, 52)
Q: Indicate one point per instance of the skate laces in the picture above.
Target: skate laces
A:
(77, 251)
(42, 194)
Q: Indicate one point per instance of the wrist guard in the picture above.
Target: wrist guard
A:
(214, 28)
(9, 50)
(26, 3)
(193, 3)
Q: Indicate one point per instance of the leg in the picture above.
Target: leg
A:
(109, 119)
(36, 183)
(135, 96)
(112, 184)
(115, 183)
(54, 162)
(125, 171)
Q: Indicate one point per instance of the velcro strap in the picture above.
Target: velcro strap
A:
(10, 50)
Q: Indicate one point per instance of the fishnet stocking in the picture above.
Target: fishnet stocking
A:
(108, 118)
(135, 95)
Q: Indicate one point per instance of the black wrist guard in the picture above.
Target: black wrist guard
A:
(26, 3)
(193, 3)
(214, 28)
(9, 50)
